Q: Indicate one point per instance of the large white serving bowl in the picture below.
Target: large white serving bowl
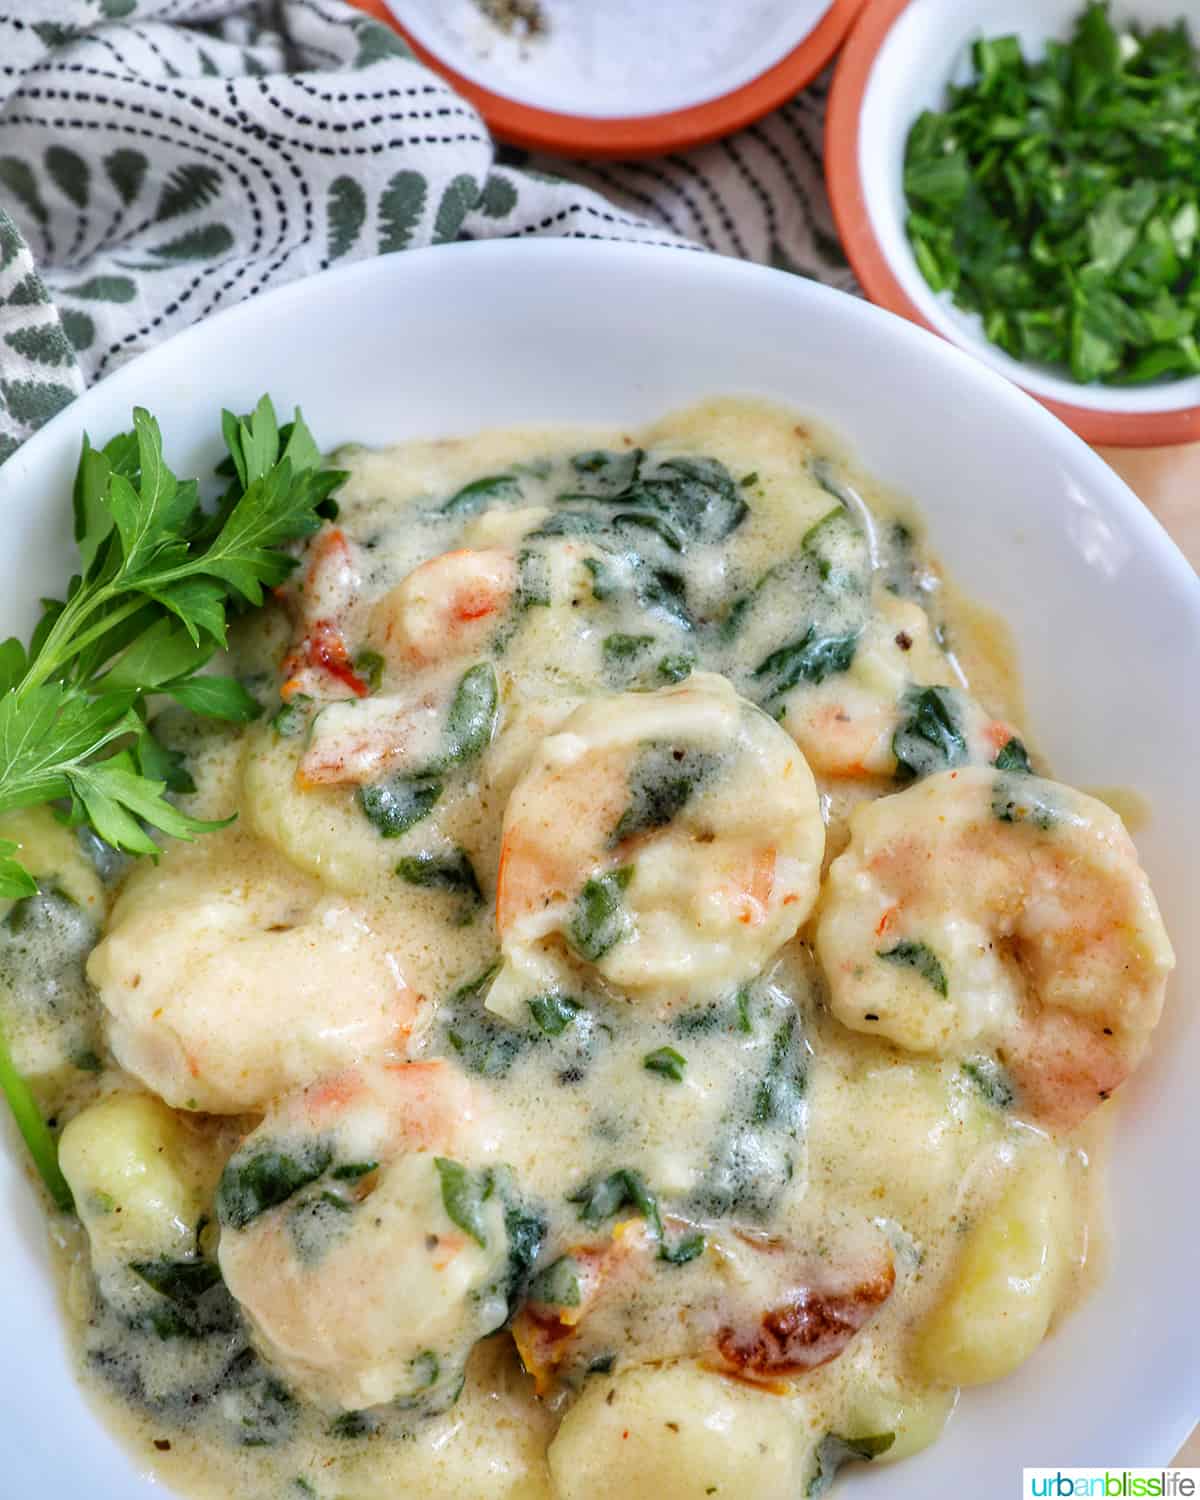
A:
(1105, 611)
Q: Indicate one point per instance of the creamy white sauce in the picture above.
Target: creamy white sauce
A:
(779, 1133)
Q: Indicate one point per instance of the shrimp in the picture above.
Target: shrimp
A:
(448, 607)
(671, 839)
(319, 664)
(982, 908)
(748, 1305)
(355, 743)
(225, 985)
(365, 1234)
(847, 724)
(444, 612)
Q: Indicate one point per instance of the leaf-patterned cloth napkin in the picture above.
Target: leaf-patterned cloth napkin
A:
(161, 159)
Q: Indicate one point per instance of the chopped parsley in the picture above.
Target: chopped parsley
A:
(1059, 199)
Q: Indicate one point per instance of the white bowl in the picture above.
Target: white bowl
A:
(1105, 611)
(584, 65)
(898, 63)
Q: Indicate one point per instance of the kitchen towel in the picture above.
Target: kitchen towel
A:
(162, 159)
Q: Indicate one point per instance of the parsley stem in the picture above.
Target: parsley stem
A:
(103, 626)
(34, 1130)
(52, 655)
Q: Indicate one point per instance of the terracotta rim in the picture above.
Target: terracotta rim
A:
(645, 135)
(871, 266)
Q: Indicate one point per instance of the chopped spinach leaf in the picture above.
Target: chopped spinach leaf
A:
(675, 667)
(604, 1197)
(554, 1013)
(292, 718)
(474, 989)
(533, 580)
(778, 1095)
(599, 920)
(662, 780)
(107, 862)
(697, 495)
(265, 1176)
(1023, 799)
(811, 658)
(1013, 757)
(992, 1081)
(181, 1281)
(570, 523)
(486, 1045)
(603, 584)
(472, 717)
(480, 492)
(838, 548)
(526, 1230)
(666, 1062)
(425, 1367)
(620, 650)
(369, 666)
(451, 872)
(603, 474)
(464, 1193)
(704, 1020)
(930, 738)
(397, 805)
(349, 1425)
(735, 615)
(642, 520)
(921, 958)
(316, 1220)
(661, 589)
(260, 1408)
(686, 1249)
(682, 500)
(558, 1284)
(351, 1171)
(834, 1451)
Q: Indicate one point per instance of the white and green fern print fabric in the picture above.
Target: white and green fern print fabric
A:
(759, 195)
(162, 159)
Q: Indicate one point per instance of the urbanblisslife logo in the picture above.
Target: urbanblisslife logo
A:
(1112, 1484)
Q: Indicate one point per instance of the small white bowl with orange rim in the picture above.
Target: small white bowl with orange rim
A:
(684, 75)
(898, 62)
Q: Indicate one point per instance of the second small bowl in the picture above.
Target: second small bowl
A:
(899, 60)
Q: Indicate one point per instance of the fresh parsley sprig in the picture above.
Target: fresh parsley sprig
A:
(160, 574)
(145, 614)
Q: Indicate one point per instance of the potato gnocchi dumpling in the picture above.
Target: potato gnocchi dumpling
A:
(1006, 1282)
(645, 1026)
(682, 1431)
(318, 829)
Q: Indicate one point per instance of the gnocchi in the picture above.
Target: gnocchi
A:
(679, 1431)
(137, 1178)
(1005, 1286)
